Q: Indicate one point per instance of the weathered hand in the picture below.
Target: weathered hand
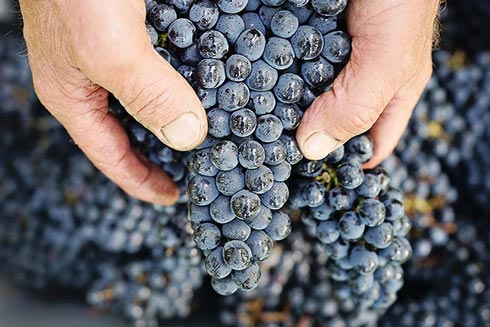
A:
(79, 51)
(389, 67)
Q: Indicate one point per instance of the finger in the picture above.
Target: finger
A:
(83, 112)
(118, 55)
(390, 126)
(381, 62)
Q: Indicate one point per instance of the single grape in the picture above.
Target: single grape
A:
(280, 226)
(259, 180)
(202, 190)
(318, 74)
(251, 154)
(314, 194)
(338, 198)
(247, 279)
(152, 33)
(191, 55)
(370, 187)
(230, 182)
(215, 264)
(237, 255)
(350, 175)
(243, 122)
(181, 33)
(200, 163)
(161, 16)
(289, 88)
(350, 226)
(380, 236)
(278, 53)
(232, 6)
(372, 212)
(269, 128)
(251, 44)
(329, 7)
(293, 152)
(327, 231)
(236, 229)
(218, 123)
(238, 68)
(220, 210)
(276, 197)
(204, 14)
(275, 153)
(233, 96)
(231, 26)
(210, 73)
(263, 77)
(262, 220)
(307, 42)
(213, 44)
(289, 114)
(224, 155)
(207, 236)
(245, 204)
(262, 102)
(225, 286)
(208, 97)
(363, 260)
(337, 47)
(198, 214)
(284, 24)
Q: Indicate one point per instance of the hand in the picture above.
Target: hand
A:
(389, 67)
(79, 51)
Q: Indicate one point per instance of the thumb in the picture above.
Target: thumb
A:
(113, 49)
(384, 56)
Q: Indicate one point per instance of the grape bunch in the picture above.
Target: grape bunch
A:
(297, 289)
(359, 219)
(255, 65)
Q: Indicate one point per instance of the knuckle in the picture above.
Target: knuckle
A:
(360, 119)
(142, 178)
(148, 102)
(113, 163)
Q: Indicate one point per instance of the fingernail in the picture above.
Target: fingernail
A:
(183, 133)
(318, 145)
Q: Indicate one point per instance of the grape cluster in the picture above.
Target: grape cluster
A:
(298, 289)
(255, 65)
(359, 219)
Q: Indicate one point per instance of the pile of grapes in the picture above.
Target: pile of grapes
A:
(260, 235)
